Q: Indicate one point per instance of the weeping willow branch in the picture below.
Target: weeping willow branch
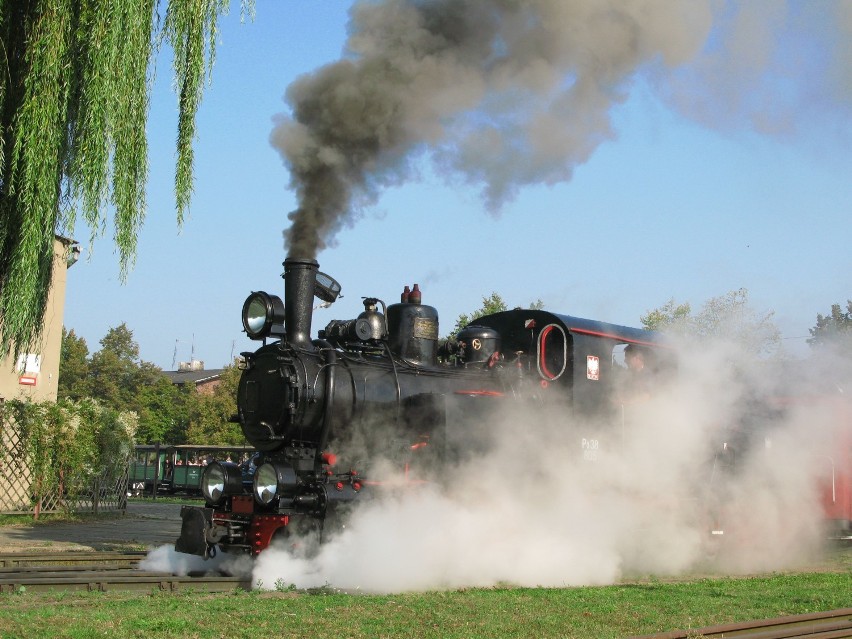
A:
(188, 24)
(75, 81)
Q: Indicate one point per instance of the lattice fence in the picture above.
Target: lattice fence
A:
(107, 492)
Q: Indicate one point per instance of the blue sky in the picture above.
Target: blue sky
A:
(669, 208)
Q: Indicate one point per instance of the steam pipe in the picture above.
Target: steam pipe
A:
(299, 285)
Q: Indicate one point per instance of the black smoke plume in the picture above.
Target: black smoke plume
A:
(505, 93)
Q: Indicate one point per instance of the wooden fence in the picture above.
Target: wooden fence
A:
(107, 491)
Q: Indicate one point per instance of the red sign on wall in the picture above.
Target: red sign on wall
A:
(28, 380)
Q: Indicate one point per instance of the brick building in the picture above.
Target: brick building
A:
(205, 381)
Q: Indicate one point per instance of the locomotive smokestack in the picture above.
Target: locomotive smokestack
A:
(299, 284)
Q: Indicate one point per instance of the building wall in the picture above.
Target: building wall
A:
(45, 379)
(207, 387)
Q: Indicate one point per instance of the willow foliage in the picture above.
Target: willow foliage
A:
(75, 80)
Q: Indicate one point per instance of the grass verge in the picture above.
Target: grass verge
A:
(599, 612)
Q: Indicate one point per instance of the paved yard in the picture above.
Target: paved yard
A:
(146, 525)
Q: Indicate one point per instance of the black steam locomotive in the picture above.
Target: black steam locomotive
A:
(383, 385)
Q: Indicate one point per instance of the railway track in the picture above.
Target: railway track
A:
(104, 571)
(834, 624)
(100, 571)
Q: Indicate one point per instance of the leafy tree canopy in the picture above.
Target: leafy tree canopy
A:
(834, 329)
(494, 303)
(119, 380)
(727, 316)
(75, 80)
(73, 365)
(668, 316)
(209, 414)
(163, 410)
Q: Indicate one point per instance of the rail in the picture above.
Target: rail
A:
(834, 624)
(100, 571)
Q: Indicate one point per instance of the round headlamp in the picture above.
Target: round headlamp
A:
(265, 484)
(219, 480)
(273, 481)
(261, 312)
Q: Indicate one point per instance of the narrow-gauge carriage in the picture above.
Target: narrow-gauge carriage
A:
(177, 469)
(383, 382)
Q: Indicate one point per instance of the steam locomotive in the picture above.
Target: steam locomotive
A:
(329, 416)
(381, 381)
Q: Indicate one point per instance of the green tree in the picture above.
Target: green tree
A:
(163, 412)
(74, 90)
(668, 316)
(209, 414)
(728, 316)
(73, 366)
(115, 370)
(121, 381)
(494, 303)
(834, 329)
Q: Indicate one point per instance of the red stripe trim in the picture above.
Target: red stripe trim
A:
(482, 393)
(620, 338)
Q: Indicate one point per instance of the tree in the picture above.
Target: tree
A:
(727, 316)
(73, 366)
(162, 408)
(74, 89)
(209, 415)
(668, 316)
(834, 329)
(492, 304)
(121, 381)
(115, 370)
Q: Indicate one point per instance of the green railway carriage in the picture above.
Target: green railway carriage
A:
(177, 469)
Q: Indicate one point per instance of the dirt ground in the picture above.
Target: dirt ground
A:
(145, 525)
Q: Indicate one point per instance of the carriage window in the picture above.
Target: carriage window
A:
(618, 356)
(552, 352)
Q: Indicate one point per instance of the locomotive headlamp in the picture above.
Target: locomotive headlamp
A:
(273, 481)
(263, 315)
(326, 288)
(219, 480)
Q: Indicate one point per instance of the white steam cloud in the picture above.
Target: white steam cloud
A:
(543, 501)
(505, 93)
(538, 508)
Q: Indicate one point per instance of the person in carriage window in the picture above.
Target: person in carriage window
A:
(638, 384)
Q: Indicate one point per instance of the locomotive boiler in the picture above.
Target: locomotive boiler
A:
(380, 386)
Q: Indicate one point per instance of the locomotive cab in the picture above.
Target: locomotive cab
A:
(573, 359)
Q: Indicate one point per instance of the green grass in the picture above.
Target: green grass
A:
(599, 612)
